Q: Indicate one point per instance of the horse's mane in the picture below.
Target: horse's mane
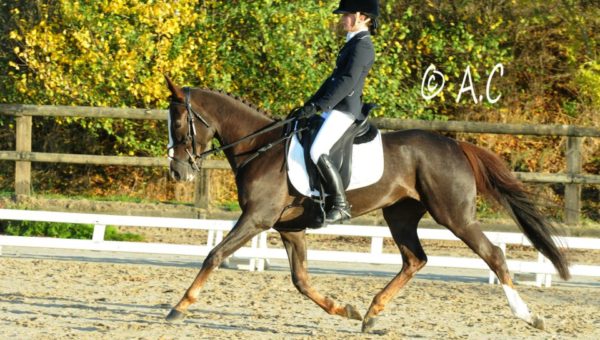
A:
(242, 101)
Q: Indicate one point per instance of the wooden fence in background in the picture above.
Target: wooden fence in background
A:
(573, 178)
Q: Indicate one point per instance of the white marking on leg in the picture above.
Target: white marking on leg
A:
(517, 305)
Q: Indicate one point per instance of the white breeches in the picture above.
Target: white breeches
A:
(335, 125)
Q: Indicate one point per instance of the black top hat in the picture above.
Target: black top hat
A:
(368, 7)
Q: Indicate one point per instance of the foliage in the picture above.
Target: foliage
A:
(444, 34)
(112, 234)
(275, 53)
(63, 230)
(230, 206)
(113, 53)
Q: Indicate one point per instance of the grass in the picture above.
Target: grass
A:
(62, 230)
(230, 206)
(5, 194)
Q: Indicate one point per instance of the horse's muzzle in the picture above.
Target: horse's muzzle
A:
(181, 171)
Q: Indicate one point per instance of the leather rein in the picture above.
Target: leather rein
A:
(195, 159)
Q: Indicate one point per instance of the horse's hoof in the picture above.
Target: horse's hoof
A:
(368, 324)
(175, 315)
(538, 322)
(352, 313)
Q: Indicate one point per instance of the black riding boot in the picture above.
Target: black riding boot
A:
(335, 187)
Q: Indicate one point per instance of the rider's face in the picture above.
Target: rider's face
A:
(352, 22)
(348, 21)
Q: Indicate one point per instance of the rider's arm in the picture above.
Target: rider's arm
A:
(344, 79)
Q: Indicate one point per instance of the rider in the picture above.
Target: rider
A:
(340, 96)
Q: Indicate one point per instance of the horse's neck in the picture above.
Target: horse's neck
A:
(236, 121)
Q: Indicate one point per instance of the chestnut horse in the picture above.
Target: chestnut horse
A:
(424, 172)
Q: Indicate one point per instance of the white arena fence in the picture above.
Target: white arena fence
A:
(259, 252)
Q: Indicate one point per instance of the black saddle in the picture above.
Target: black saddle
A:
(361, 131)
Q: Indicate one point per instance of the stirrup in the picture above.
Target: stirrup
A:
(337, 214)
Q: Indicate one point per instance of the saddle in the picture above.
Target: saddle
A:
(361, 131)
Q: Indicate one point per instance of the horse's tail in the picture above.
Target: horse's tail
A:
(495, 180)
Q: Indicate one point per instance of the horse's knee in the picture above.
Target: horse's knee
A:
(412, 260)
(213, 260)
(419, 263)
(413, 266)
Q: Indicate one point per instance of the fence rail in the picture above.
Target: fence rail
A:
(259, 251)
(573, 178)
(383, 123)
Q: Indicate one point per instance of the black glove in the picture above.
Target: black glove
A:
(307, 111)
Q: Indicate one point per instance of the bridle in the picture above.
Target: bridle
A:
(191, 134)
(195, 159)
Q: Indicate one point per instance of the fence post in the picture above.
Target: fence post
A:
(376, 245)
(99, 232)
(23, 144)
(202, 188)
(573, 191)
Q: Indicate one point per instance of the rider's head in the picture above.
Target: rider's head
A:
(358, 14)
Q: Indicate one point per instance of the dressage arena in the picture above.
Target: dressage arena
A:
(103, 295)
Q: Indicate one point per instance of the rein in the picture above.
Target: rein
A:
(194, 157)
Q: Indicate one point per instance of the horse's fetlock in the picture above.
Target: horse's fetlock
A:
(377, 306)
(191, 298)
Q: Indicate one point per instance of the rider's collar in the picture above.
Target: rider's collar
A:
(351, 35)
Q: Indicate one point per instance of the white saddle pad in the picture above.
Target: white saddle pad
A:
(367, 166)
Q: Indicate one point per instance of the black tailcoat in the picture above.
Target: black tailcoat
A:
(342, 90)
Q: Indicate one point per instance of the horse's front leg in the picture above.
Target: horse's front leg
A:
(243, 231)
(295, 245)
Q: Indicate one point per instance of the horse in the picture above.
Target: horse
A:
(423, 172)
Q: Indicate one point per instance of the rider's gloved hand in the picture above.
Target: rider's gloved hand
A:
(308, 110)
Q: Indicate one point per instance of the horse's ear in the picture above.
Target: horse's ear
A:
(176, 91)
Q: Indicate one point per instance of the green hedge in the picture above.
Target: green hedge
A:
(276, 53)
(62, 230)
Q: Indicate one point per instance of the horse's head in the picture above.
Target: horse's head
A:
(189, 133)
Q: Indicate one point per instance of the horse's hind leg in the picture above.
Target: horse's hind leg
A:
(295, 245)
(402, 219)
(462, 223)
(493, 256)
